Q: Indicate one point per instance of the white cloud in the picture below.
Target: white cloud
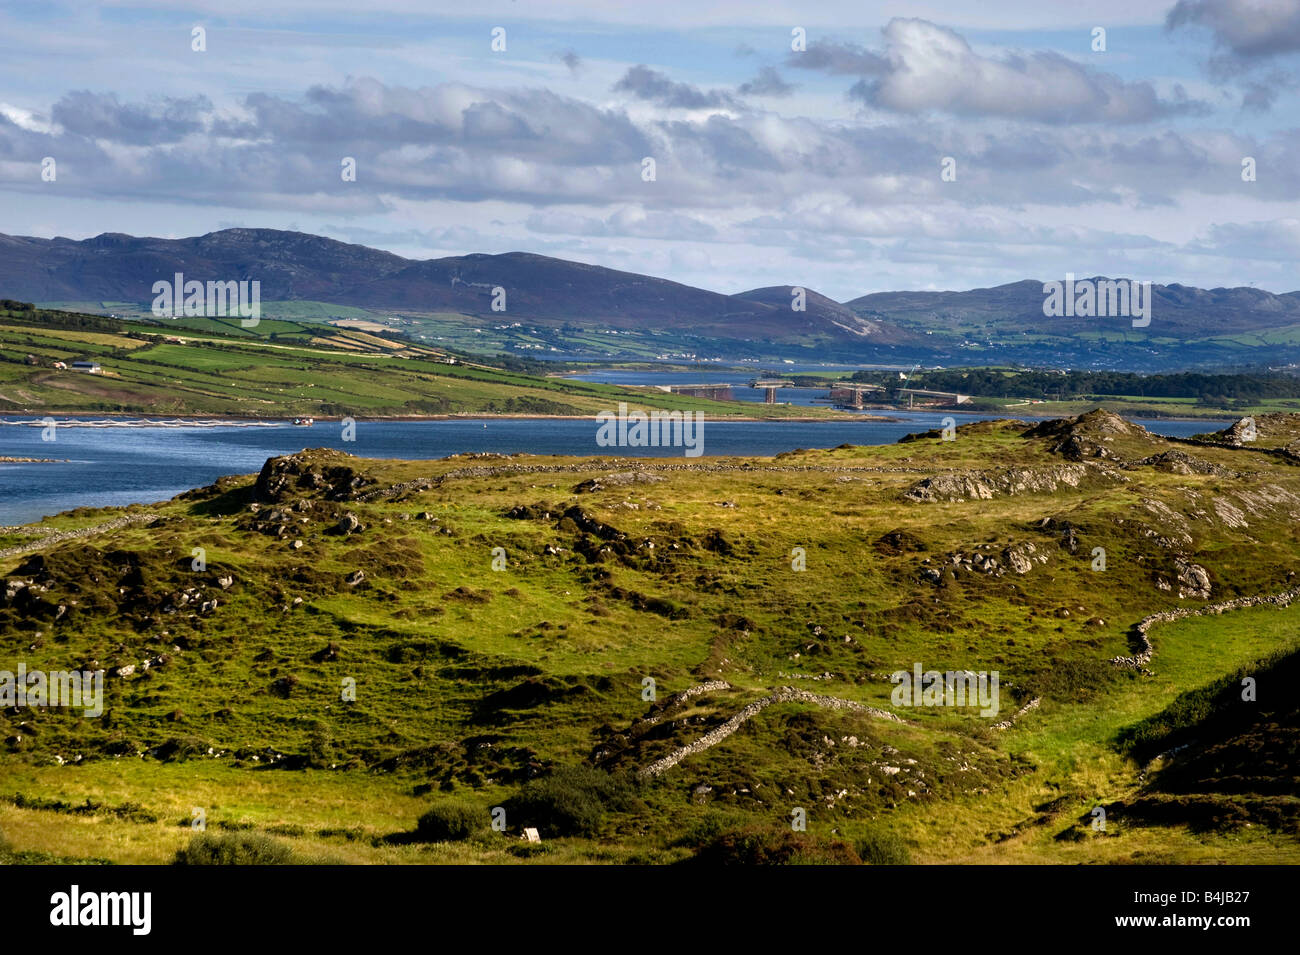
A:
(28, 120)
(929, 67)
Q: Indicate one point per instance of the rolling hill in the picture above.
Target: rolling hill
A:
(294, 266)
(571, 308)
(1183, 312)
(523, 684)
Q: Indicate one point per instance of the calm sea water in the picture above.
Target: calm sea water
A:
(117, 466)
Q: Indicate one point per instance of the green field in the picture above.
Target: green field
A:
(282, 368)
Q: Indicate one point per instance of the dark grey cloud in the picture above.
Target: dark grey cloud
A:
(722, 145)
(655, 87)
(1258, 96)
(768, 82)
(571, 59)
(1244, 29)
(103, 116)
(839, 59)
(523, 124)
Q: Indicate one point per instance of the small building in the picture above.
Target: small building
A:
(60, 366)
(90, 367)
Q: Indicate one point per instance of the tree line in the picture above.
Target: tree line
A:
(1064, 386)
(25, 313)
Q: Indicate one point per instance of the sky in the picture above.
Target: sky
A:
(847, 147)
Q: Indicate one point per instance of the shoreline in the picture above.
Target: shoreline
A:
(125, 419)
(131, 420)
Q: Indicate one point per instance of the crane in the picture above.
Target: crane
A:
(906, 380)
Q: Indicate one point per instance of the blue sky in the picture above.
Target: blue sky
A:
(818, 168)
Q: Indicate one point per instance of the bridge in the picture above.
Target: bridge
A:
(932, 397)
(716, 392)
(770, 385)
(852, 395)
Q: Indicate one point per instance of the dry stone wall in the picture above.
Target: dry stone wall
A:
(785, 694)
(59, 537)
(1138, 635)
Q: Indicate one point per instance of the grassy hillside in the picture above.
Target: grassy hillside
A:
(280, 368)
(524, 687)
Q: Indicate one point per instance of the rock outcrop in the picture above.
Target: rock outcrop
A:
(319, 472)
(986, 485)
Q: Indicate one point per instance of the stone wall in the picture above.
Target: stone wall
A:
(1138, 634)
(59, 537)
(785, 694)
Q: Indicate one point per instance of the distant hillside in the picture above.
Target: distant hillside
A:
(1178, 311)
(568, 309)
(295, 266)
(117, 267)
(818, 310)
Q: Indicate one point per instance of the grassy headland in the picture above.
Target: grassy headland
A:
(516, 678)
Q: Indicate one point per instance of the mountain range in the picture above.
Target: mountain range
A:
(1190, 326)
